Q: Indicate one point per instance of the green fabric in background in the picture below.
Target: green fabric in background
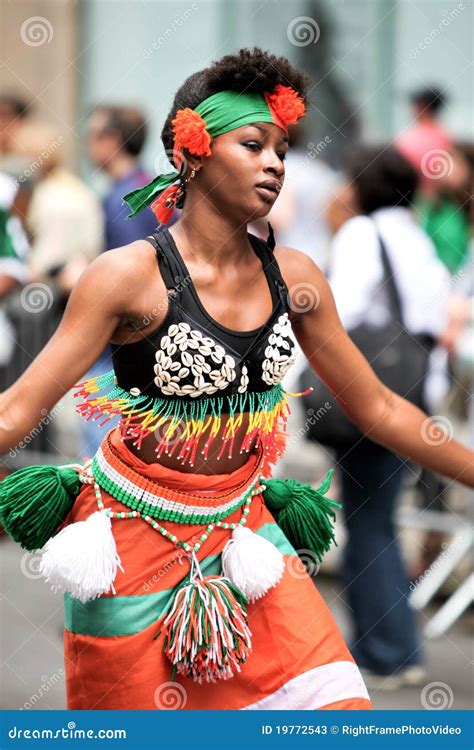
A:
(448, 226)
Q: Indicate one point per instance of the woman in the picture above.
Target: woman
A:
(381, 184)
(202, 451)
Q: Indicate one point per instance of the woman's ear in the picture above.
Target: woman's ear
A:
(192, 162)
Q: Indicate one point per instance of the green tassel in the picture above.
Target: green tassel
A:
(35, 500)
(303, 512)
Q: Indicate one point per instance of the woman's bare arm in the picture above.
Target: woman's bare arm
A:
(377, 411)
(106, 291)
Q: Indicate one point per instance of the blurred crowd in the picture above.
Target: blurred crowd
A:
(414, 194)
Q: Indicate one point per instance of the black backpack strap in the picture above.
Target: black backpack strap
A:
(166, 262)
(390, 282)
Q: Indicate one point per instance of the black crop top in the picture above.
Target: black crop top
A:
(178, 381)
(191, 355)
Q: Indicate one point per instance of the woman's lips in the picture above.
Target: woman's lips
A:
(268, 194)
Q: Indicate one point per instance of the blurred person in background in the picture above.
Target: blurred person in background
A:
(115, 140)
(444, 194)
(14, 249)
(64, 218)
(64, 223)
(381, 185)
(15, 111)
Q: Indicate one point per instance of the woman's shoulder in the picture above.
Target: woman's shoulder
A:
(133, 262)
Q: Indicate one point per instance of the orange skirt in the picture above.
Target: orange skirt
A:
(299, 659)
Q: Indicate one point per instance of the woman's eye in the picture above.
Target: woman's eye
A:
(253, 146)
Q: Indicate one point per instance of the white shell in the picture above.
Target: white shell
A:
(165, 376)
(171, 348)
(135, 391)
(230, 361)
(209, 342)
(158, 382)
(173, 330)
(193, 344)
(175, 366)
(184, 327)
(187, 359)
(216, 357)
(183, 346)
(196, 369)
(180, 337)
(205, 349)
(188, 388)
(196, 334)
(164, 342)
(199, 359)
(183, 372)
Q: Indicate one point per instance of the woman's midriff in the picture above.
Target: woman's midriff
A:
(212, 465)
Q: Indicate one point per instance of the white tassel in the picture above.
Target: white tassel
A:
(252, 563)
(82, 558)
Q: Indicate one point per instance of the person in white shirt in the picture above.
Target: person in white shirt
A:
(385, 639)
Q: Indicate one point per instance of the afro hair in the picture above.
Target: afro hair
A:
(249, 70)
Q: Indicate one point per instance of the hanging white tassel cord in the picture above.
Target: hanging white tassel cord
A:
(82, 558)
(252, 563)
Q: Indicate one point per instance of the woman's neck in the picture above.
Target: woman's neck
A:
(211, 238)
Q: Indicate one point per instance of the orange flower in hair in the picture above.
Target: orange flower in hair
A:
(286, 104)
(190, 132)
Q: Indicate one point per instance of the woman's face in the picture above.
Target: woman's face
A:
(244, 174)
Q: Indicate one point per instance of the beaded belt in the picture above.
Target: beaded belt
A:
(156, 500)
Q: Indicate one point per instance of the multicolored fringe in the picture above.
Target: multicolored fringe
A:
(142, 415)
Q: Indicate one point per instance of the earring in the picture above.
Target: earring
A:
(172, 200)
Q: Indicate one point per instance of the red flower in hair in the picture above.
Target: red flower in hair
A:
(286, 104)
(190, 132)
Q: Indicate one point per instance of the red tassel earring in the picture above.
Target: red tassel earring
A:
(169, 198)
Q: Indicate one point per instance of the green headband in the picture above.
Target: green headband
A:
(194, 130)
